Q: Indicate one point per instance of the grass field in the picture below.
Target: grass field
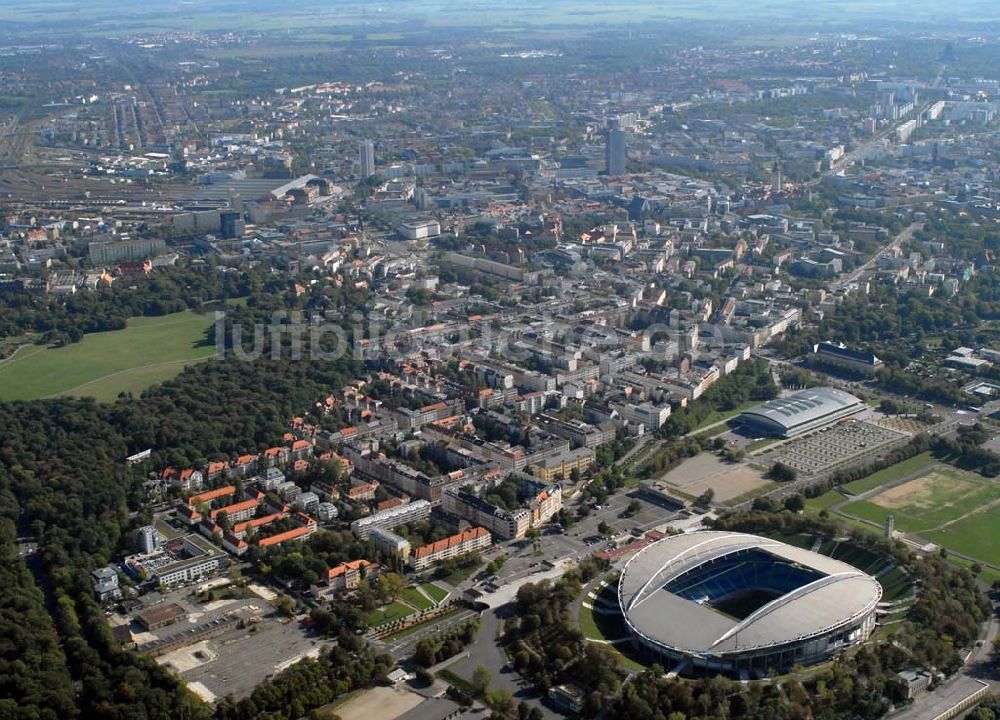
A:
(890, 474)
(601, 627)
(720, 415)
(955, 509)
(391, 612)
(822, 502)
(102, 365)
(437, 593)
(413, 597)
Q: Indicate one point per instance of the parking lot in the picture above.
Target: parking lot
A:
(821, 450)
(572, 545)
(234, 663)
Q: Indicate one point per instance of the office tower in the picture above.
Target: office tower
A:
(232, 224)
(147, 539)
(615, 152)
(366, 157)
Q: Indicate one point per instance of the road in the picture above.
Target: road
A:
(905, 236)
(978, 669)
(486, 652)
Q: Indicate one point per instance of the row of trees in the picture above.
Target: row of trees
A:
(437, 648)
(67, 319)
(309, 684)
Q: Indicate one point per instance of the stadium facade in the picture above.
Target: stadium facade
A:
(800, 412)
(741, 604)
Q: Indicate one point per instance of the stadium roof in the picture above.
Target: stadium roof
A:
(803, 408)
(842, 595)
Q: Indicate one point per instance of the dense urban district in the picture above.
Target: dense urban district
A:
(559, 361)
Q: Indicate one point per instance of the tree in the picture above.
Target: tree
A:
(795, 503)
(502, 703)
(634, 507)
(390, 585)
(705, 499)
(285, 606)
(603, 528)
(734, 454)
(782, 472)
(480, 681)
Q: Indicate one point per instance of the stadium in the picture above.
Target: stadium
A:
(742, 604)
(800, 412)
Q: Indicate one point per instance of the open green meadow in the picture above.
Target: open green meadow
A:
(102, 365)
(955, 509)
(890, 474)
(438, 594)
(413, 597)
(391, 612)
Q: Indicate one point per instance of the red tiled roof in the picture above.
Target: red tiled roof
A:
(449, 542)
(210, 495)
(345, 567)
(287, 535)
(235, 508)
(257, 522)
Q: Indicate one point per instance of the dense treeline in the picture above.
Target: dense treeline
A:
(923, 388)
(896, 324)
(62, 481)
(67, 319)
(34, 680)
(213, 410)
(60, 476)
(966, 454)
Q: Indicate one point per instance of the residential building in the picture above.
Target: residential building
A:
(389, 543)
(459, 544)
(346, 576)
(561, 467)
(400, 515)
(106, 587)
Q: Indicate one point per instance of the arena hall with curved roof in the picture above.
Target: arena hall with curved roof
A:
(743, 604)
(801, 412)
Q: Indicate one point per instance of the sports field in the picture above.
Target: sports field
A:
(102, 365)
(955, 509)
